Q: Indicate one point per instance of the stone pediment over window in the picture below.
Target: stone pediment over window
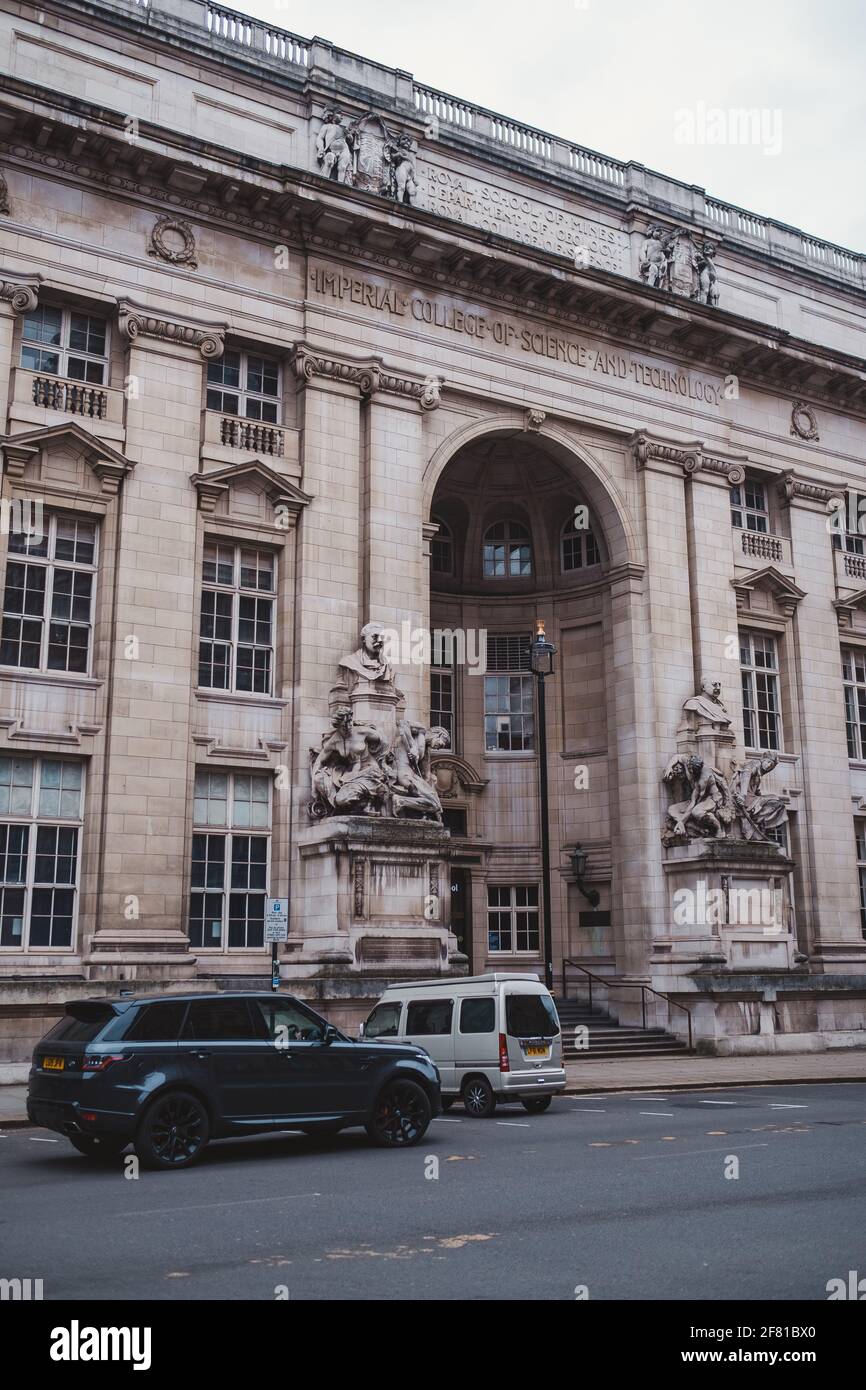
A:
(767, 593)
(64, 457)
(250, 493)
(851, 612)
(456, 777)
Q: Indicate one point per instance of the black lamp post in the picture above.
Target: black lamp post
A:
(543, 652)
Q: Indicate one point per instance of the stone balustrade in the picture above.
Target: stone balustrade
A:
(252, 436)
(72, 397)
(762, 547)
(230, 30)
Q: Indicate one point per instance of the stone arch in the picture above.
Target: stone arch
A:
(605, 497)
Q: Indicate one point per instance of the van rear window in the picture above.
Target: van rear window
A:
(477, 1015)
(530, 1016)
(429, 1017)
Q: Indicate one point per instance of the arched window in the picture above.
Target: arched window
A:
(578, 547)
(443, 549)
(507, 551)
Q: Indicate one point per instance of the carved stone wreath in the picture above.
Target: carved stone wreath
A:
(165, 233)
(803, 422)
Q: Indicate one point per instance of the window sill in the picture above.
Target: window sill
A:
(240, 697)
(64, 678)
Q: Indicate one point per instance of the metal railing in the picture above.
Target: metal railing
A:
(611, 982)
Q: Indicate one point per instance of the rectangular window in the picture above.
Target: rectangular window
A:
(230, 865)
(429, 1017)
(509, 714)
(854, 684)
(749, 506)
(759, 664)
(48, 597)
(236, 650)
(850, 535)
(40, 832)
(860, 835)
(241, 383)
(65, 343)
(512, 919)
(442, 700)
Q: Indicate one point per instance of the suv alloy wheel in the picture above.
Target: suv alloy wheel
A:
(173, 1131)
(400, 1116)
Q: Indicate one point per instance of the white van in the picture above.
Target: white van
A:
(493, 1037)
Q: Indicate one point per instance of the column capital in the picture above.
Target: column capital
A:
(368, 374)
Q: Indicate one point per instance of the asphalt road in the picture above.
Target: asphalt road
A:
(623, 1194)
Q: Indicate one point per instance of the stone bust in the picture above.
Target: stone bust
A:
(707, 704)
(369, 662)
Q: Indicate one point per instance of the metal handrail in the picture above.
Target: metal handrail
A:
(609, 981)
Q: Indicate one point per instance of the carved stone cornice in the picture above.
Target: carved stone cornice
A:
(22, 294)
(690, 458)
(790, 488)
(135, 322)
(368, 375)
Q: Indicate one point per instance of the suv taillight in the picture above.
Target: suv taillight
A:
(503, 1053)
(101, 1063)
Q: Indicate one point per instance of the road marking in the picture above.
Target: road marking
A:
(668, 1114)
(689, 1153)
(440, 1120)
(43, 1141)
(788, 1107)
(585, 1110)
(514, 1124)
(206, 1206)
(718, 1102)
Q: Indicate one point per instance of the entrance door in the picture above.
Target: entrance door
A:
(461, 910)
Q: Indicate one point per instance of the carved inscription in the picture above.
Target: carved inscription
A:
(585, 356)
(510, 214)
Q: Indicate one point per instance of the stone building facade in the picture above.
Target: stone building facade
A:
(290, 344)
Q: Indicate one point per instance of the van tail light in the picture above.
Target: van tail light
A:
(504, 1064)
(101, 1063)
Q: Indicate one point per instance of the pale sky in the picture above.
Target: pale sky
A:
(618, 76)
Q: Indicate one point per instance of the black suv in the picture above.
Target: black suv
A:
(168, 1074)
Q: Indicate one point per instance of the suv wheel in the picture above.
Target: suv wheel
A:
(478, 1098)
(400, 1116)
(536, 1104)
(173, 1132)
(101, 1148)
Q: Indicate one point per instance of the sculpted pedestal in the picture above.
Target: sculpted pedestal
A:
(376, 896)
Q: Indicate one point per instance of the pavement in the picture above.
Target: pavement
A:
(749, 1194)
(653, 1073)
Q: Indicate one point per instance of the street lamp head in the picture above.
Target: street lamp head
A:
(578, 862)
(543, 651)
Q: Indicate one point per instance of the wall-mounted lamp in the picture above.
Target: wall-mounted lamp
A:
(578, 864)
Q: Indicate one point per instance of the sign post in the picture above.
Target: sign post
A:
(276, 929)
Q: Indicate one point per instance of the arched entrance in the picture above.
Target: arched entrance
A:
(528, 530)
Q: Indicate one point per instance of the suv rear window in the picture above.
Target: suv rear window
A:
(530, 1016)
(82, 1023)
(429, 1017)
(158, 1022)
(220, 1020)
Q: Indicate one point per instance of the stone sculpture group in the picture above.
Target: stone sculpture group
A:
(359, 770)
(714, 805)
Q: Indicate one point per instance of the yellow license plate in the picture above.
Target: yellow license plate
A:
(537, 1051)
(53, 1063)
